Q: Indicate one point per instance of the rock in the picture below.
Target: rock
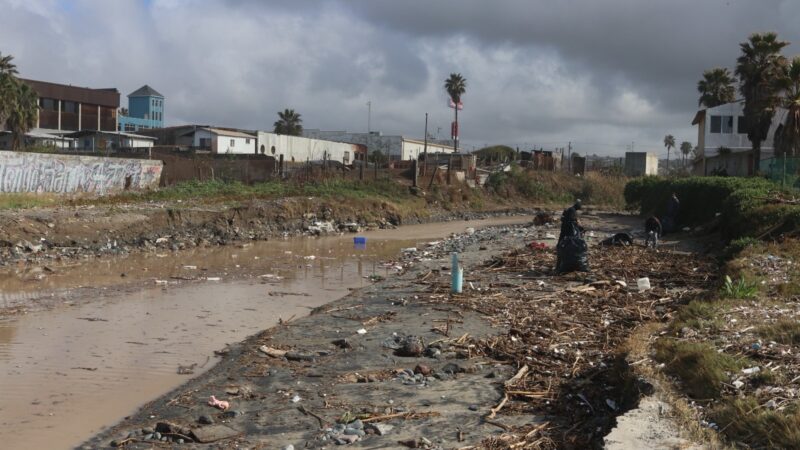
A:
(147, 430)
(205, 420)
(232, 414)
(432, 352)
(452, 369)
(410, 346)
(179, 441)
(298, 356)
(355, 432)
(156, 436)
(148, 436)
(381, 429)
(342, 343)
(473, 407)
(288, 447)
(213, 433)
(423, 370)
(645, 387)
(346, 439)
(492, 374)
(356, 425)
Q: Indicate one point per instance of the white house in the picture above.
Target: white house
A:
(722, 139)
(301, 149)
(223, 141)
(396, 147)
(109, 140)
(38, 137)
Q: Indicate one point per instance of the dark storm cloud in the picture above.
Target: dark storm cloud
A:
(601, 73)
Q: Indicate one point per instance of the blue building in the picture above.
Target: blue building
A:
(145, 110)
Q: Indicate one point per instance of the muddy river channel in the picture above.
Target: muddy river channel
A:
(117, 333)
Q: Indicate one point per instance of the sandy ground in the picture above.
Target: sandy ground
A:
(344, 364)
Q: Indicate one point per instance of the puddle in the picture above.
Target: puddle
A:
(67, 372)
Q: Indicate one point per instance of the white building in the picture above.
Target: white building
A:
(395, 147)
(722, 139)
(222, 141)
(302, 149)
(91, 140)
(38, 137)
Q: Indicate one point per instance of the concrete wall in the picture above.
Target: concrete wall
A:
(391, 146)
(639, 164)
(411, 149)
(68, 174)
(301, 149)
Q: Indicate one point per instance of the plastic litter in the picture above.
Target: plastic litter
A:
(643, 284)
(751, 370)
(362, 331)
(221, 404)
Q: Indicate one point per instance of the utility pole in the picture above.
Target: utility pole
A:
(425, 150)
(569, 156)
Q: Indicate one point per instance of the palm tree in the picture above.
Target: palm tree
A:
(22, 116)
(455, 86)
(686, 148)
(669, 142)
(289, 122)
(716, 88)
(6, 66)
(758, 68)
(787, 137)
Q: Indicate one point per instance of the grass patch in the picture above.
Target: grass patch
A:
(698, 365)
(744, 420)
(784, 331)
(550, 187)
(21, 201)
(698, 315)
(739, 289)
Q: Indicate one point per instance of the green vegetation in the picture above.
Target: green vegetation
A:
(698, 365)
(745, 420)
(784, 331)
(739, 289)
(716, 88)
(289, 122)
(741, 202)
(19, 104)
(495, 153)
(549, 187)
(22, 201)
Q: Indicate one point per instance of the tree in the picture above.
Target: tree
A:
(669, 142)
(455, 86)
(289, 122)
(6, 66)
(716, 88)
(787, 138)
(22, 116)
(686, 149)
(759, 67)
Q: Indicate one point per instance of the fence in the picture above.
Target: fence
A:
(782, 170)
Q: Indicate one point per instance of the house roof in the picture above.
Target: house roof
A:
(699, 117)
(145, 91)
(104, 97)
(78, 134)
(221, 132)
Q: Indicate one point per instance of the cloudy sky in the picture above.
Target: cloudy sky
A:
(602, 74)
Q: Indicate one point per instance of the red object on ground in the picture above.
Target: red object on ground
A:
(537, 245)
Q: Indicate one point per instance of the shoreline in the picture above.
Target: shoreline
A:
(449, 398)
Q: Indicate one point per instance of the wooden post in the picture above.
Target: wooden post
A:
(376, 168)
(280, 166)
(416, 171)
(449, 169)
(361, 169)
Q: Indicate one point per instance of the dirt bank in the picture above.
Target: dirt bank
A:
(522, 358)
(41, 235)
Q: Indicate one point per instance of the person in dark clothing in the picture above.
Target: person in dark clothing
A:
(669, 222)
(652, 229)
(569, 222)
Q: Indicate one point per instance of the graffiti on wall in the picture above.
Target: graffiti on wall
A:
(67, 174)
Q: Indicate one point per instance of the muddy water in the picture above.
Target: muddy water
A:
(68, 371)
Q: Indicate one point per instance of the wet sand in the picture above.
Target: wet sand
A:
(70, 370)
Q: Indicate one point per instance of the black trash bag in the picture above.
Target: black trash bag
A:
(572, 255)
(623, 239)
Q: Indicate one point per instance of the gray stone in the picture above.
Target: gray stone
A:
(381, 429)
(473, 407)
(353, 431)
(148, 436)
(147, 430)
(179, 441)
(157, 436)
(212, 433)
(289, 447)
(205, 420)
(232, 414)
(357, 425)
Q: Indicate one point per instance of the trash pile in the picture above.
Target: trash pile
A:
(564, 332)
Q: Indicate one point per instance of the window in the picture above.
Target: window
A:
(346, 159)
(727, 124)
(716, 124)
(70, 107)
(233, 142)
(247, 141)
(130, 127)
(48, 104)
(741, 126)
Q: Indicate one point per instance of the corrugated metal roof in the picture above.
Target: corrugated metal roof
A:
(145, 91)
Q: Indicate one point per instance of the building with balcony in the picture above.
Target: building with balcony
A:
(145, 110)
(65, 108)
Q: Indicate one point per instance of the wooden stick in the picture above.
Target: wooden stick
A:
(497, 408)
(305, 411)
(521, 373)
